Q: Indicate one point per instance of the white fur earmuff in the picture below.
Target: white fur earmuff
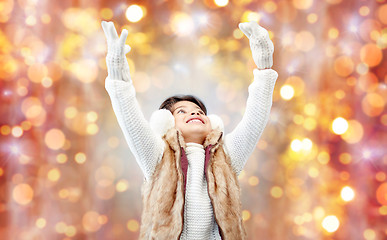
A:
(162, 120)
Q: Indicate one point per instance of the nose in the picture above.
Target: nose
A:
(195, 112)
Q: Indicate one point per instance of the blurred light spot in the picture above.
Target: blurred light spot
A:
(80, 158)
(40, 223)
(113, 142)
(64, 193)
(307, 144)
(318, 213)
(182, 24)
(221, 3)
(344, 66)
(106, 13)
(368, 82)
(17, 131)
(323, 158)
(90, 221)
(304, 41)
(371, 55)
(86, 70)
(347, 194)
(26, 125)
(46, 82)
(54, 139)
(373, 104)
(37, 72)
(253, 181)
(102, 219)
(287, 92)
(5, 130)
(45, 18)
(270, 6)
(313, 172)
(382, 13)
(333, 33)
(354, 133)
(312, 18)
(70, 112)
(22, 194)
(364, 11)
(339, 126)
(92, 116)
(302, 4)
(61, 158)
(249, 16)
(70, 231)
(237, 34)
(60, 227)
(133, 225)
(33, 110)
(92, 129)
(331, 223)
(276, 192)
(381, 194)
(1, 172)
(122, 185)
(380, 176)
(383, 210)
(246, 215)
(134, 13)
(369, 234)
(53, 175)
(15, 149)
(366, 154)
(345, 158)
(310, 109)
(296, 145)
(298, 119)
(30, 20)
(310, 124)
(141, 82)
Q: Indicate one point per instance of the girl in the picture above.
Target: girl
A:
(191, 189)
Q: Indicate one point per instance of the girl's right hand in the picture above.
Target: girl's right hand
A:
(117, 65)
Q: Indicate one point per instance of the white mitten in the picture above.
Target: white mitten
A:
(117, 65)
(262, 47)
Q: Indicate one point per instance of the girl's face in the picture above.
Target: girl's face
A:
(191, 121)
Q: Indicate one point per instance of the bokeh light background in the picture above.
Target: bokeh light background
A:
(319, 170)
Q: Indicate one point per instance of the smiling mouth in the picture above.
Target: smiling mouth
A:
(195, 120)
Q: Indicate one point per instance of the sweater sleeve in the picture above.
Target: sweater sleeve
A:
(146, 146)
(240, 143)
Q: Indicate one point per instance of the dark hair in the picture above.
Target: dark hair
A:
(169, 102)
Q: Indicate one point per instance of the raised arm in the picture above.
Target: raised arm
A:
(145, 145)
(240, 143)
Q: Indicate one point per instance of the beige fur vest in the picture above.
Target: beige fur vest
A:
(163, 194)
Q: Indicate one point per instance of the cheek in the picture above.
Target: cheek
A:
(178, 121)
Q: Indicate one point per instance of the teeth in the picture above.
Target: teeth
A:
(195, 120)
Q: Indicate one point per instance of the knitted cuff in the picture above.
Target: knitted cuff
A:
(264, 80)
